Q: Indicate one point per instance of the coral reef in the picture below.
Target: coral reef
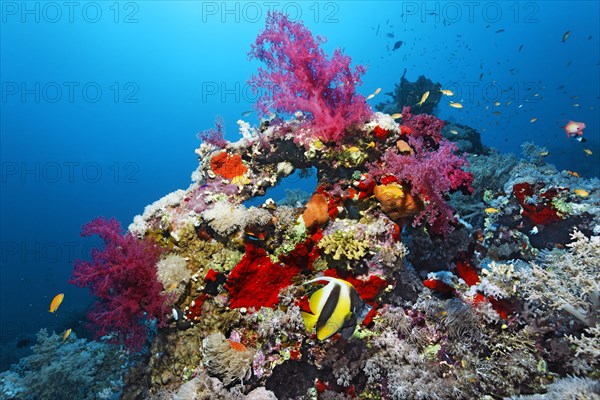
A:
(69, 368)
(477, 274)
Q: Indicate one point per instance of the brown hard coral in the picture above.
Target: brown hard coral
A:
(397, 201)
(317, 211)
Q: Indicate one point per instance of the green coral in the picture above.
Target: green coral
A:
(162, 237)
(224, 260)
(344, 244)
(293, 234)
(562, 206)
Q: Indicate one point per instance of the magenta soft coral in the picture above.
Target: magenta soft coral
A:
(215, 136)
(431, 173)
(123, 276)
(300, 77)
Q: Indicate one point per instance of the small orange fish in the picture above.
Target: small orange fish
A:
(447, 92)
(572, 173)
(423, 98)
(66, 334)
(587, 152)
(56, 302)
(456, 105)
(581, 193)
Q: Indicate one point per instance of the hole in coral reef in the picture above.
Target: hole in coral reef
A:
(293, 190)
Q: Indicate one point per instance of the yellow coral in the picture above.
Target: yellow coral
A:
(343, 244)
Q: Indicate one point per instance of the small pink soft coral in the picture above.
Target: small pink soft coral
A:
(433, 171)
(215, 136)
(300, 77)
(123, 276)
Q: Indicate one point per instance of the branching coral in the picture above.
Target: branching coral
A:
(301, 77)
(567, 388)
(569, 281)
(587, 355)
(123, 277)
(344, 245)
(407, 373)
(58, 369)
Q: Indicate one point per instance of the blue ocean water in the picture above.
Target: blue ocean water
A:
(101, 103)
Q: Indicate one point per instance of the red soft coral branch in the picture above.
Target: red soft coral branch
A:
(299, 76)
(123, 276)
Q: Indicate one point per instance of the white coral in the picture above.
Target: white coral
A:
(139, 226)
(384, 121)
(225, 217)
(171, 271)
(569, 281)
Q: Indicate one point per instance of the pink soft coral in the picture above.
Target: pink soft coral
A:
(431, 172)
(300, 77)
(215, 136)
(123, 277)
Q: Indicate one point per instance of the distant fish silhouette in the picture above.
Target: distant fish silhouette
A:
(397, 45)
(566, 36)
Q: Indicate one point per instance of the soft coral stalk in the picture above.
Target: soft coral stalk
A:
(123, 276)
(301, 77)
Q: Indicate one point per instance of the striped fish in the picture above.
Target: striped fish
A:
(336, 307)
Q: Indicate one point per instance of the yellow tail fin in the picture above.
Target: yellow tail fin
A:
(309, 321)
